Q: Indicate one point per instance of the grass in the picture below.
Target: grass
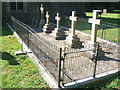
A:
(108, 15)
(20, 72)
(17, 71)
(109, 33)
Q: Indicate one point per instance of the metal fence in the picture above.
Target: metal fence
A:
(46, 52)
(77, 65)
(69, 64)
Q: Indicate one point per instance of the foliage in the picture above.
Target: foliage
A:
(17, 71)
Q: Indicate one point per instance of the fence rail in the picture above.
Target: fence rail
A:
(46, 52)
(69, 64)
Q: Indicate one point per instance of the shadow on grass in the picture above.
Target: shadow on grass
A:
(6, 31)
(9, 58)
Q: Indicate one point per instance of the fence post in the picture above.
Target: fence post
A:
(28, 39)
(96, 57)
(59, 68)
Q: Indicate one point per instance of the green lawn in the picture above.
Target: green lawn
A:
(108, 15)
(109, 33)
(17, 71)
(20, 72)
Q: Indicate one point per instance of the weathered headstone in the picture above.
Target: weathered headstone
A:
(104, 11)
(58, 33)
(72, 39)
(95, 22)
(47, 27)
(42, 21)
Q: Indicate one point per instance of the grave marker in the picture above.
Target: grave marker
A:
(47, 27)
(93, 43)
(95, 22)
(72, 39)
(42, 21)
(104, 11)
(58, 32)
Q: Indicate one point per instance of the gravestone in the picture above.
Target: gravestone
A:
(47, 27)
(95, 22)
(58, 33)
(72, 38)
(42, 21)
(104, 11)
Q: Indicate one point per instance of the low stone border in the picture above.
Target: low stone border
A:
(42, 70)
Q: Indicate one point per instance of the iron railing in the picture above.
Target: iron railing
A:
(69, 64)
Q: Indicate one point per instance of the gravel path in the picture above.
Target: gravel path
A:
(78, 66)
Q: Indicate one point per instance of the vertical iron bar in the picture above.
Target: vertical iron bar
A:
(59, 67)
(28, 39)
(96, 60)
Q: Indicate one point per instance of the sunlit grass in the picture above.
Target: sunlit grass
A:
(105, 32)
(108, 15)
(17, 71)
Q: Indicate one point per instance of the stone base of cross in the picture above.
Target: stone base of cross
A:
(93, 47)
(73, 40)
(41, 24)
(36, 23)
(33, 21)
(47, 28)
(59, 34)
(93, 43)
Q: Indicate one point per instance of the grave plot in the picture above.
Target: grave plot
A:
(76, 57)
(77, 64)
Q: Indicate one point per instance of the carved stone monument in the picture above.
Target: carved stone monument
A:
(47, 28)
(58, 33)
(95, 22)
(104, 11)
(72, 39)
(42, 21)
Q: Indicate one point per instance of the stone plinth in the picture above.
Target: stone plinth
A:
(59, 34)
(92, 53)
(47, 28)
(73, 40)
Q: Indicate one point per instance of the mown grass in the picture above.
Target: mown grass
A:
(17, 71)
(108, 15)
(20, 72)
(109, 33)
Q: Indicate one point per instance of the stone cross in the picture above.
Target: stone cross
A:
(42, 12)
(94, 22)
(47, 18)
(58, 20)
(73, 19)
